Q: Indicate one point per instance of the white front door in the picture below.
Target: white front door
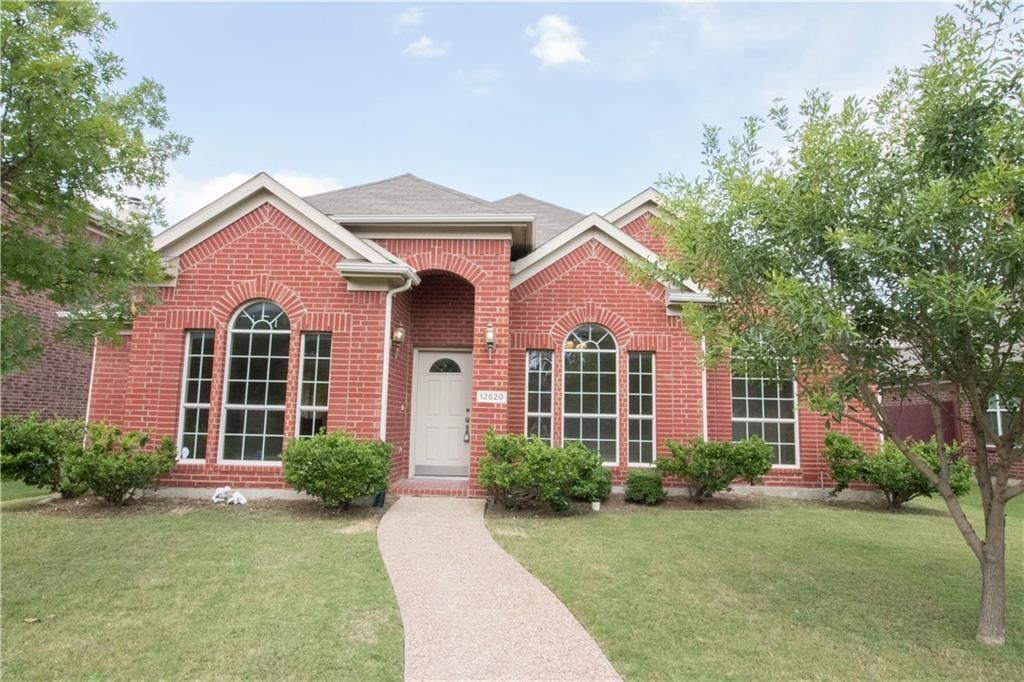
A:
(440, 413)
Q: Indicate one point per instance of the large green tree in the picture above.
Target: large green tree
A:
(75, 142)
(881, 244)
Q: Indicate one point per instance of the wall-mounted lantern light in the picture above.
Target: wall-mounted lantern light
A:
(489, 340)
(398, 336)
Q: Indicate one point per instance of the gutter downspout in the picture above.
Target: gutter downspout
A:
(704, 385)
(405, 286)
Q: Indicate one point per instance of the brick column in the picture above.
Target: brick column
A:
(490, 368)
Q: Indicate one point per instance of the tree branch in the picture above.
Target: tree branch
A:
(1012, 491)
(869, 399)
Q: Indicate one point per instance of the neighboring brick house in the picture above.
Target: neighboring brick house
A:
(409, 311)
(54, 383)
(914, 418)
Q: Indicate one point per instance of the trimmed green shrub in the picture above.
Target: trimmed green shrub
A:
(593, 481)
(337, 468)
(644, 486)
(890, 470)
(709, 467)
(844, 458)
(522, 472)
(116, 465)
(36, 452)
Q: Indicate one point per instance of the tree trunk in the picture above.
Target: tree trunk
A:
(992, 616)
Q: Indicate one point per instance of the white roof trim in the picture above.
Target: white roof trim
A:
(515, 226)
(217, 215)
(363, 276)
(678, 297)
(590, 227)
(364, 268)
(488, 219)
(633, 208)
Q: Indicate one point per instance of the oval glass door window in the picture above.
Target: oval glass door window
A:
(445, 366)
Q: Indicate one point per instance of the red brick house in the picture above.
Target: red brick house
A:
(415, 313)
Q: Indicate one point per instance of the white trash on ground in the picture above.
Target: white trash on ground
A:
(221, 494)
(237, 498)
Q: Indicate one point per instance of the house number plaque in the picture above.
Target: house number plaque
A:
(495, 397)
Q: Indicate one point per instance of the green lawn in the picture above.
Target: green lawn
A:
(173, 591)
(16, 490)
(779, 589)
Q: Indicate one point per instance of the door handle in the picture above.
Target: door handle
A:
(465, 436)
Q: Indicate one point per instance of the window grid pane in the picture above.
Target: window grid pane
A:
(590, 390)
(195, 399)
(641, 408)
(1001, 413)
(765, 407)
(313, 389)
(257, 378)
(538, 394)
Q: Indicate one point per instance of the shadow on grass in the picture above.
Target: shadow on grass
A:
(91, 507)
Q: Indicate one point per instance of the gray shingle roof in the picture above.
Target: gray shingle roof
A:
(403, 195)
(549, 219)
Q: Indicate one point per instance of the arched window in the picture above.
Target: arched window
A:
(257, 376)
(590, 390)
(445, 366)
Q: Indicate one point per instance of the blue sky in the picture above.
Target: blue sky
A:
(580, 104)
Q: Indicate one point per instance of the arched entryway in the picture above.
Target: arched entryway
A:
(435, 376)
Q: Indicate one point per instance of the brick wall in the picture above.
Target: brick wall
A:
(263, 255)
(54, 383)
(590, 285)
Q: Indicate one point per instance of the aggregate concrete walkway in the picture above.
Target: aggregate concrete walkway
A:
(469, 610)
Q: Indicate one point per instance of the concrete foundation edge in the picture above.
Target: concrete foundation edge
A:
(791, 492)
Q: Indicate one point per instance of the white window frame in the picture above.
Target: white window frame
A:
(300, 408)
(224, 407)
(588, 415)
(644, 417)
(550, 414)
(795, 420)
(184, 404)
(998, 410)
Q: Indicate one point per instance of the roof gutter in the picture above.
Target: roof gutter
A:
(493, 219)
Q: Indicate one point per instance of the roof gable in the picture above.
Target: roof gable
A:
(597, 227)
(647, 201)
(259, 189)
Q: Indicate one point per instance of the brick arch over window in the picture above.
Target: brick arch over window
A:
(591, 313)
(435, 261)
(262, 287)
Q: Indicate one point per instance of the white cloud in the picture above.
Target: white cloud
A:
(558, 41)
(427, 48)
(479, 82)
(410, 17)
(185, 195)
